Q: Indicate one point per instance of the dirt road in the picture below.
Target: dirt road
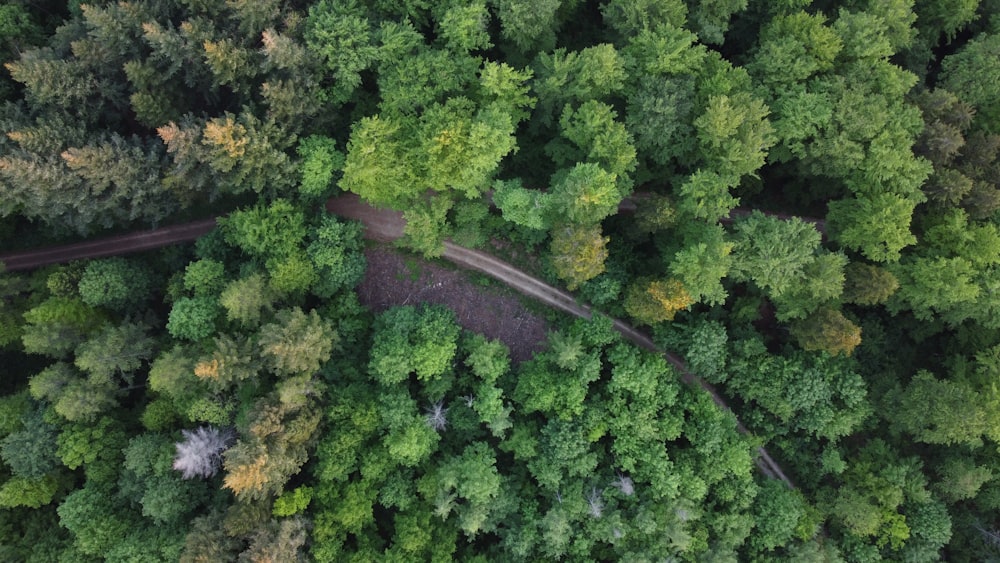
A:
(110, 246)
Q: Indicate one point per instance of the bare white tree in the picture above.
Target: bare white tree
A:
(437, 416)
(595, 505)
(624, 484)
(200, 454)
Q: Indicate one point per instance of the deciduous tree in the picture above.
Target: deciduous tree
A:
(578, 253)
(828, 330)
(657, 301)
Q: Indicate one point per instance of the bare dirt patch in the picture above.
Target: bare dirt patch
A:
(394, 278)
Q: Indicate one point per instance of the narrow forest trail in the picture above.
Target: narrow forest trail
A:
(385, 225)
(109, 246)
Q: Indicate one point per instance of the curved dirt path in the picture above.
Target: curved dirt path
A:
(387, 225)
(383, 225)
(110, 246)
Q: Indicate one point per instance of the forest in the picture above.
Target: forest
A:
(801, 198)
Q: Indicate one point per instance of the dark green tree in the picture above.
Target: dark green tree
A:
(115, 283)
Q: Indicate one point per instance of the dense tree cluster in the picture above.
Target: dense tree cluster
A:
(661, 158)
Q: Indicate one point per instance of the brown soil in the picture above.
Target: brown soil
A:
(394, 278)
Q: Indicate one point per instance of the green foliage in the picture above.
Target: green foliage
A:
(464, 28)
(710, 18)
(57, 325)
(293, 502)
(577, 76)
(320, 161)
(172, 373)
(930, 529)
(962, 478)
(246, 299)
(12, 408)
(193, 318)
(935, 285)
(878, 227)
(433, 446)
(937, 411)
(149, 480)
(705, 195)
(95, 521)
(114, 283)
(945, 18)
(777, 511)
(455, 146)
(73, 396)
(773, 253)
(336, 252)
(28, 492)
(96, 446)
(597, 137)
(204, 277)
(630, 18)
(31, 451)
(531, 26)
(706, 352)
(488, 359)
(413, 340)
(971, 73)
(291, 275)
(522, 206)
(275, 231)
(471, 477)
(822, 284)
(703, 262)
(795, 47)
(734, 134)
(342, 37)
(463, 147)
(584, 194)
(116, 352)
(567, 349)
(578, 253)
(868, 500)
(17, 26)
(506, 88)
(297, 343)
(821, 395)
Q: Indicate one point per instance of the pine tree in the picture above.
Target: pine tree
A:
(298, 343)
(248, 154)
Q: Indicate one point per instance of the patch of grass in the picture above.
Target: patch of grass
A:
(413, 267)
